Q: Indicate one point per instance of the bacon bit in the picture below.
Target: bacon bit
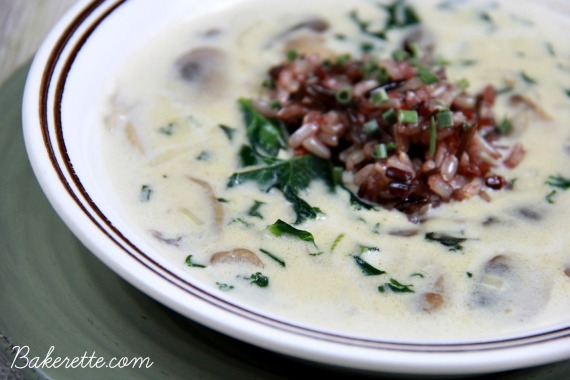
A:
(515, 157)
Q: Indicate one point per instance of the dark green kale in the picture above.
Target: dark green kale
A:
(259, 279)
(559, 182)
(281, 228)
(366, 268)
(247, 156)
(224, 287)
(396, 287)
(254, 210)
(145, 193)
(228, 131)
(451, 242)
(399, 15)
(264, 136)
(272, 256)
(290, 177)
(189, 262)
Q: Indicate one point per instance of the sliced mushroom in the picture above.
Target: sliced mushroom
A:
(175, 241)
(567, 270)
(315, 25)
(509, 286)
(217, 206)
(236, 256)
(434, 299)
(404, 232)
(203, 68)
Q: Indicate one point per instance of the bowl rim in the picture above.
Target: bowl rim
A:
(47, 152)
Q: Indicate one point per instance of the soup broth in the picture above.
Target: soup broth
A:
(473, 269)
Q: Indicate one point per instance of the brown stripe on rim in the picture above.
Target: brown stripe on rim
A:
(177, 281)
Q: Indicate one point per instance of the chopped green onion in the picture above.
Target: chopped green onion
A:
(407, 116)
(382, 76)
(445, 119)
(343, 59)
(400, 55)
(344, 95)
(380, 152)
(390, 116)
(415, 49)
(432, 137)
(505, 126)
(371, 126)
(292, 55)
(463, 84)
(337, 241)
(368, 68)
(426, 76)
(379, 96)
(337, 175)
(567, 93)
(275, 104)
(340, 36)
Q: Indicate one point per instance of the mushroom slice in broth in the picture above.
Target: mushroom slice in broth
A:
(508, 286)
(236, 256)
(203, 68)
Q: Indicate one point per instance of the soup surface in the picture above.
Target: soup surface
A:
(473, 269)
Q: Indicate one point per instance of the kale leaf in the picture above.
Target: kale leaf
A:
(396, 287)
(366, 268)
(558, 182)
(290, 177)
(264, 136)
(451, 242)
(282, 228)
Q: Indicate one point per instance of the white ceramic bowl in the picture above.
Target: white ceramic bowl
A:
(60, 123)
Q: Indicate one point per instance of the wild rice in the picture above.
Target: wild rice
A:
(412, 138)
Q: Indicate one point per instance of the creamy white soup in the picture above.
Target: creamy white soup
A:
(479, 267)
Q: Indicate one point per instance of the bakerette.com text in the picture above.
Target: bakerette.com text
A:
(23, 359)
